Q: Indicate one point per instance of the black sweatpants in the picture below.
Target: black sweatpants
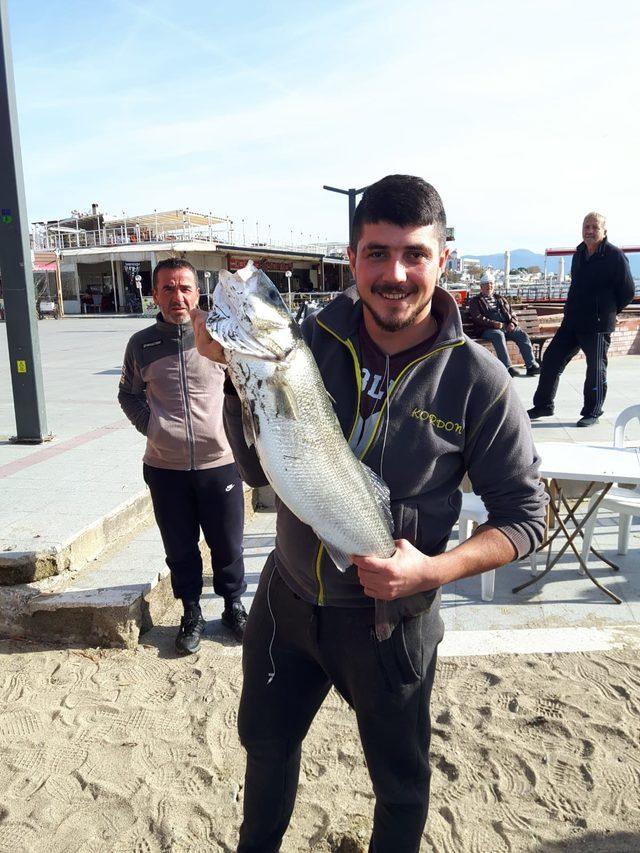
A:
(564, 345)
(285, 681)
(184, 502)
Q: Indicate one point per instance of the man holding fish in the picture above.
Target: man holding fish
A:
(420, 405)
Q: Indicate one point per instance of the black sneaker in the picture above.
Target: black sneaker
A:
(513, 371)
(540, 412)
(192, 625)
(587, 421)
(234, 617)
(534, 370)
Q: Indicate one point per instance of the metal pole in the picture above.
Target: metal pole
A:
(15, 263)
(353, 194)
(207, 276)
(288, 277)
(59, 286)
(114, 288)
(507, 270)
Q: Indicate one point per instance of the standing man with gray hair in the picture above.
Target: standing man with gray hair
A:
(601, 286)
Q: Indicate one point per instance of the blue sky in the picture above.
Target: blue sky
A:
(523, 114)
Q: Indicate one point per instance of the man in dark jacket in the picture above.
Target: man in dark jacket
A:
(423, 406)
(494, 318)
(174, 397)
(601, 286)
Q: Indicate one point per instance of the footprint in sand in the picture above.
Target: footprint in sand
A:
(450, 818)
(449, 769)
(551, 707)
(19, 724)
(514, 776)
(509, 702)
(137, 842)
(18, 837)
(485, 840)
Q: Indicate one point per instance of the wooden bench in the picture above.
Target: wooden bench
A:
(527, 320)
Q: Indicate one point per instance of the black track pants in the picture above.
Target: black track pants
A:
(565, 344)
(387, 684)
(184, 502)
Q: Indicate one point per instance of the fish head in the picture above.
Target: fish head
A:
(250, 317)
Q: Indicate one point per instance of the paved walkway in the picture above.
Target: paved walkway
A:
(93, 465)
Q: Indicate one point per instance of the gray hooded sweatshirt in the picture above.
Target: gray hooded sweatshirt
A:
(452, 410)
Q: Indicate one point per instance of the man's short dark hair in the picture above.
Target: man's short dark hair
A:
(174, 264)
(403, 200)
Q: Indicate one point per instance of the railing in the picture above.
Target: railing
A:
(320, 298)
(539, 292)
(51, 240)
(118, 236)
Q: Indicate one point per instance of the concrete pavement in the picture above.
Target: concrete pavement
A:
(76, 529)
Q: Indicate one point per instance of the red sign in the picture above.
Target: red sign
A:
(459, 295)
(236, 263)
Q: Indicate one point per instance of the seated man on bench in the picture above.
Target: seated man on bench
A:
(495, 321)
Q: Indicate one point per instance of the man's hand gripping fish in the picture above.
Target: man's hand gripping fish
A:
(289, 417)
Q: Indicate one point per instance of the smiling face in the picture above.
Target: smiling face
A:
(487, 288)
(175, 293)
(396, 271)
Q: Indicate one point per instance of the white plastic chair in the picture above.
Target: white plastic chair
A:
(626, 502)
(473, 513)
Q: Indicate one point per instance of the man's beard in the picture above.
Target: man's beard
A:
(395, 324)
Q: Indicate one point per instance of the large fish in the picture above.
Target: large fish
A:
(289, 417)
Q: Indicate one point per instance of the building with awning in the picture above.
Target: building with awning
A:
(106, 262)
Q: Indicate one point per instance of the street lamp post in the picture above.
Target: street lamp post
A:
(288, 277)
(138, 281)
(207, 276)
(352, 193)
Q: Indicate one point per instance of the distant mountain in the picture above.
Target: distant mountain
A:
(525, 258)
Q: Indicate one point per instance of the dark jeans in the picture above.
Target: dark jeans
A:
(184, 502)
(387, 684)
(498, 338)
(563, 346)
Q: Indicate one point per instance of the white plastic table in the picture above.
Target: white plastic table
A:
(598, 468)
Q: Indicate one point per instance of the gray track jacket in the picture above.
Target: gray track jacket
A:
(452, 410)
(173, 395)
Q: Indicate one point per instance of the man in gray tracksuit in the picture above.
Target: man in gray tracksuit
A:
(422, 405)
(174, 397)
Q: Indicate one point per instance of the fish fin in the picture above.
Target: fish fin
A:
(381, 493)
(341, 560)
(248, 425)
(286, 405)
(245, 272)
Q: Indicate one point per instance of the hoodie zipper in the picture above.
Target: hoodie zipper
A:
(358, 372)
(184, 387)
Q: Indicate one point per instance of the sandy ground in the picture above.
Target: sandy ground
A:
(137, 752)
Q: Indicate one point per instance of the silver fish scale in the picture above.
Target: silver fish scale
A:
(304, 454)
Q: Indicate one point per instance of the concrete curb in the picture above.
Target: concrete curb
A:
(85, 592)
(19, 567)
